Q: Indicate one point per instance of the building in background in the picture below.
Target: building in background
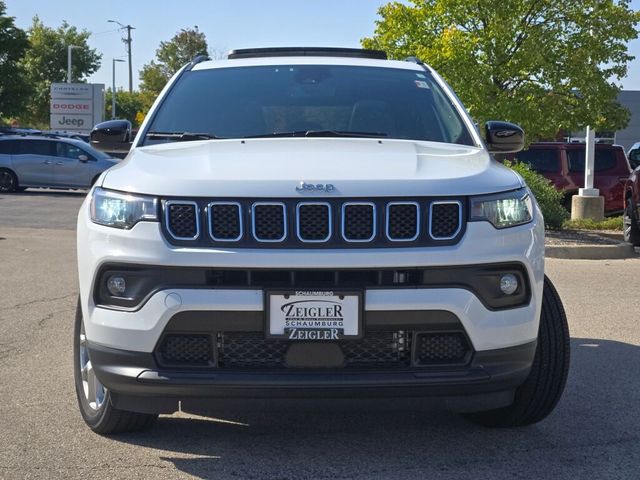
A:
(630, 135)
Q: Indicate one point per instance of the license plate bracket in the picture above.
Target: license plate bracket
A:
(313, 314)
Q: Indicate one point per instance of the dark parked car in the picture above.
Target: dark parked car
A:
(563, 164)
(45, 161)
(632, 209)
(634, 155)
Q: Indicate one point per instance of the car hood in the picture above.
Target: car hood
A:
(275, 167)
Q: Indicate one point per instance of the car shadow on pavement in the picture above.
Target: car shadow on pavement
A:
(595, 426)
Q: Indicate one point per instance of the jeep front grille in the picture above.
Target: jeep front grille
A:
(314, 223)
(358, 222)
(444, 220)
(182, 220)
(403, 221)
(225, 221)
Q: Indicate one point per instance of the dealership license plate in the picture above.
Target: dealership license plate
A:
(314, 315)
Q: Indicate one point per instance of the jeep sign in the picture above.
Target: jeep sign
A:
(76, 107)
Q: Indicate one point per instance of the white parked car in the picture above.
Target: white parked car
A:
(314, 222)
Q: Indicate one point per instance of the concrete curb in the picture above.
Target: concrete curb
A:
(590, 252)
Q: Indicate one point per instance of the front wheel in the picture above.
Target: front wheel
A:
(539, 394)
(93, 398)
(631, 229)
(8, 181)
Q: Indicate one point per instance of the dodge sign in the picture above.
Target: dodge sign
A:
(76, 106)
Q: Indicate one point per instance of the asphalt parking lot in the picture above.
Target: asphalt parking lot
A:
(594, 433)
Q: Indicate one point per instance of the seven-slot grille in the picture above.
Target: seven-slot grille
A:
(403, 221)
(269, 222)
(183, 220)
(225, 221)
(312, 223)
(444, 220)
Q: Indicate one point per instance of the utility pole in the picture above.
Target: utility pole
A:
(128, 42)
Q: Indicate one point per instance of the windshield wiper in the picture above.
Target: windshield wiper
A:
(182, 136)
(320, 133)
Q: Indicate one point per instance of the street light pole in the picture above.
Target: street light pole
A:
(113, 87)
(128, 42)
(69, 49)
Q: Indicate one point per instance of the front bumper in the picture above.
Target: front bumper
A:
(137, 383)
(123, 342)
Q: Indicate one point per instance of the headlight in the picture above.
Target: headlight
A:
(121, 210)
(503, 210)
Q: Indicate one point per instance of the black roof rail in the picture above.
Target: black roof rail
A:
(306, 52)
(196, 60)
(414, 60)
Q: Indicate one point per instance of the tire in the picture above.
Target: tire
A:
(8, 181)
(631, 230)
(96, 408)
(539, 394)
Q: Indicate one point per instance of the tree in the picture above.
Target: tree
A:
(544, 64)
(14, 89)
(170, 57)
(46, 62)
(128, 105)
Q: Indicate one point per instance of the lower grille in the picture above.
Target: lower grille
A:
(177, 349)
(440, 348)
(377, 349)
(249, 349)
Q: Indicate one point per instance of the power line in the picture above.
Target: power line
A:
(105, 32)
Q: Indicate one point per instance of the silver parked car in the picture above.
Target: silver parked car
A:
(37, 161)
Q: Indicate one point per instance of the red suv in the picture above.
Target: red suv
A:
(563, 164)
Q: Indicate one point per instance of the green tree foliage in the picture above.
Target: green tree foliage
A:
(127, 105)
(170, 57)
(46, 62)
(14, 89)
(549, 199)
(547, 65)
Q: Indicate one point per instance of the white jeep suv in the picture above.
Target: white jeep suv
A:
(314, 223)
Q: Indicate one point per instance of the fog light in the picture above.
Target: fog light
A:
(508, 284)
(116, 286)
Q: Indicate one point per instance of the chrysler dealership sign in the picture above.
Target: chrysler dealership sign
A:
(76, 106)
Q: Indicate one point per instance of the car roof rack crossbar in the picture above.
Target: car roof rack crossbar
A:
(414, 60)
(196, 60)
(306, 52)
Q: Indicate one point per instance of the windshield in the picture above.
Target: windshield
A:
(311, 100)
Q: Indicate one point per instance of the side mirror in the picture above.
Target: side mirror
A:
(83, 158)
(113, 137)
(503, 137)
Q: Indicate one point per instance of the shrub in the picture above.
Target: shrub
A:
(549, 199)
(611, 223)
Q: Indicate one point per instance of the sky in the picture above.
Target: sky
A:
(227, 24)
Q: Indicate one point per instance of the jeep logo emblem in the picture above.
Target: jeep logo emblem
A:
(315, 187)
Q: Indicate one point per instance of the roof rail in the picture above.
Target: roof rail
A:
(196, 60)
(306, 52)
(414, 60)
